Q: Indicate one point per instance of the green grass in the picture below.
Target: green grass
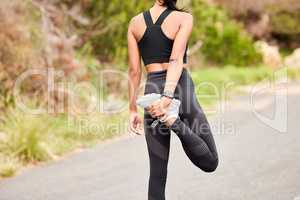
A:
(29, 139)
(211, 84)
(8, 166)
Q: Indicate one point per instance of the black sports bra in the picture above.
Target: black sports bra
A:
(155, 46)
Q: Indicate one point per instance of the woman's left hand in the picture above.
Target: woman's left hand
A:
(159, 107)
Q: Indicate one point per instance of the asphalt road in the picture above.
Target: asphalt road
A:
(256, 162)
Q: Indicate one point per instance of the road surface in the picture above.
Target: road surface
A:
(256, 162)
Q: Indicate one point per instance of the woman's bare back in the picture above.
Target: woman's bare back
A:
(170, 27)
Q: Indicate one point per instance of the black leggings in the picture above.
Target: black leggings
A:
(192, 129)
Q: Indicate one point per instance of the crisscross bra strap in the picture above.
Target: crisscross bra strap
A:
(160, 20)
(148, 19)
(163, 16)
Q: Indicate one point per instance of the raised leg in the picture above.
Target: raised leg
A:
(194, 131)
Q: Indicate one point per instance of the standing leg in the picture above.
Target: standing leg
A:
(158, 143)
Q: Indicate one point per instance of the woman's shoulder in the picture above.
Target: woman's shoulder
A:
(137, 18)
(183, 15)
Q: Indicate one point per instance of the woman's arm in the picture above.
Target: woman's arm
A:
(175, 67)
(179, 47)
(134, 78)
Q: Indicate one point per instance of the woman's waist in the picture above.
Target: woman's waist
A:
(159, 67)
(157, 80)
(162, 74)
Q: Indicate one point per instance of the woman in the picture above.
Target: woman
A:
(160, 37)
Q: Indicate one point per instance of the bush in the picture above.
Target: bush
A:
(32, 138)
(285, 25)
(224, 40)
(20, 42)
(285, 21)
(8, 166)
(26, 137)
(111, 19)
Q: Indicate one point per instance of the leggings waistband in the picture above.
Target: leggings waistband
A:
(161, 73)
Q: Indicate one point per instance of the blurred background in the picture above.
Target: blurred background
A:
(240, 41)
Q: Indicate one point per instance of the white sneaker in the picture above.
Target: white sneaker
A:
(148, 99)
(173, 110)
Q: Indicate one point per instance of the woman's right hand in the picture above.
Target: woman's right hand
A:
(135, 123)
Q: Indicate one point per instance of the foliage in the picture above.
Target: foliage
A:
(241, 7)
(27, 138)
(8, 166)
(276, 20)
(224, 40)
(20, 44)
(285, 21)
(293, 73)
(211, 81)
(111, 18)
